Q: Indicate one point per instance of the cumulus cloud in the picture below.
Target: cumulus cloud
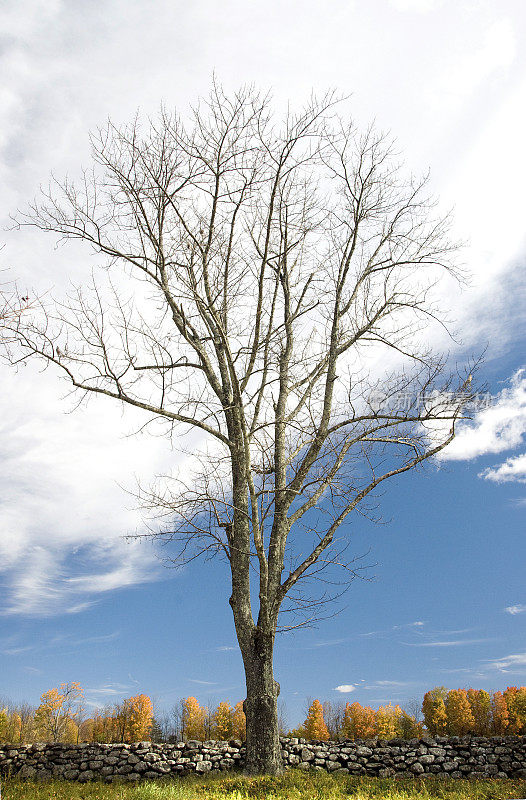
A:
(513, 469)
(345, 688)
(518, 609)
(63, 513)
(499, 427)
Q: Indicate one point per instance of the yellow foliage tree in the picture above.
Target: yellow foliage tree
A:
(480, 705)
(193, 720)
(58, 707)
(4, 725)
(141, 718)
(16, 727)
(133, 718)
(459, 717)
(516, 702)
(239, 722)
(314, 725)
(387, 719)
(222, 722)
(408, 727)
(434, 711)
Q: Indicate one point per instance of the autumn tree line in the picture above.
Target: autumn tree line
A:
(62, 717)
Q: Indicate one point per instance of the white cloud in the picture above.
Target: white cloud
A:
(345, 688)
(518, 609)
(513, 469)
(452, 643)
(202, 683)
(421, 6)
(63, 515)
(517, 660)
(499, 427)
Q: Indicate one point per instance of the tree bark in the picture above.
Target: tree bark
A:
(263, 749)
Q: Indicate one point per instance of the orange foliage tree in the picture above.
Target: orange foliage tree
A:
(359, 722)
(459, 717)
(314, 726)
(499, 714)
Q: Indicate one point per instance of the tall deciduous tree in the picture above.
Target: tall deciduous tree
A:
(193, 719)
(434, 711)
(314, 726)
(58, 710)
(222, 721)
(239, 722)
(359, 721)
(257, 271)
(459, 716)
(515, 698)
(387, 718)
(480, 704)
(499, 714)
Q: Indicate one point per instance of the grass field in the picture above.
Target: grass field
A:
(295, 785)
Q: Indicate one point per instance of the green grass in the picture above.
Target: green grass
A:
(294, 785)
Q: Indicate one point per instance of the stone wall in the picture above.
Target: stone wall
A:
(456, 757)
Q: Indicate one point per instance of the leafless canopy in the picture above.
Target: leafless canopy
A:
(263, 283)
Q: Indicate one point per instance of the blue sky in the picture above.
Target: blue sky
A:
(80, 603)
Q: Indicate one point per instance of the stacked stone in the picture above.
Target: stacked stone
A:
(454, 757)
(118, 762)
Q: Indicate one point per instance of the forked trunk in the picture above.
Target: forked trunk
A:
(263, 749)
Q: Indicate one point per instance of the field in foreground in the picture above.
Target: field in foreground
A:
(295, 785)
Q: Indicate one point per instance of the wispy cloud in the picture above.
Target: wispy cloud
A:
(110, 689)
(391, 683)
(518, 609)
(417, 624)
(451, 643)
(345, 688)
(202, 683)
(16, 651)
(508, 662)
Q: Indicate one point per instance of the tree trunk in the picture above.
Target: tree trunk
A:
(263, 749)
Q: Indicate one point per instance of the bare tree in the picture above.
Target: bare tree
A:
(269, 286)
